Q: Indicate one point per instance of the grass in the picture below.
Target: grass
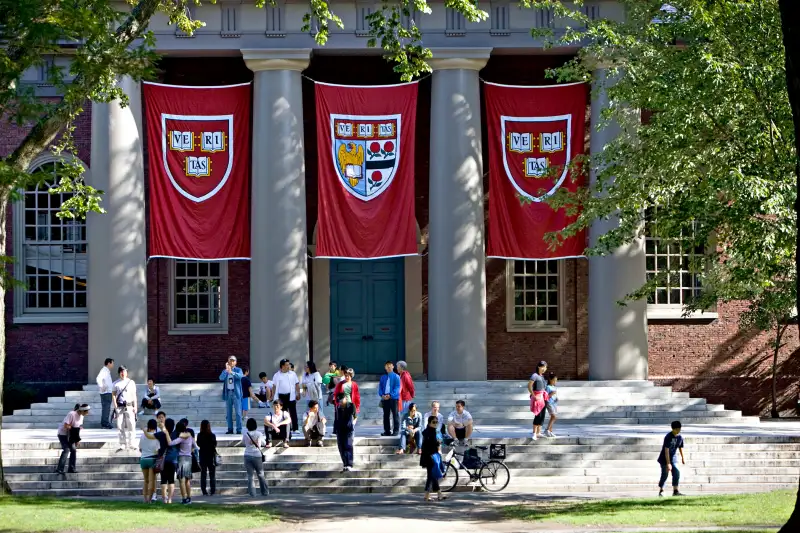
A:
(28, 514)
(769, 509)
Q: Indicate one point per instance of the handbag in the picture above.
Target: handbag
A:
(159, 464)
(195, 463)
(218, 459)
(263, 457)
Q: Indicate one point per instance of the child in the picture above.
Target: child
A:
(668, 459)
(314, 424)
(152, 398)
(346, 418)
(552, 403)
(247, 391)
(264, 393)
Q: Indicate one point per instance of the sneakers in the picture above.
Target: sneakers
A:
(284, 444)
(535, 436)
(677, 493)
(660, 493)
(347, 469)
(141, 412)
(154, 498)
(549, 434)
(319, 444)
(261, 405)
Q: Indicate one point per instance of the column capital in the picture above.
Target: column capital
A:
(259, 59)
(459, 58)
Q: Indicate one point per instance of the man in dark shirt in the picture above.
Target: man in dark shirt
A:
(668, 459)
(346, 417)
(247, 392)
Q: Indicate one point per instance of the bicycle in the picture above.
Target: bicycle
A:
(493, 475)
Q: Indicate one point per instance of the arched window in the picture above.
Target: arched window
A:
(50, 255)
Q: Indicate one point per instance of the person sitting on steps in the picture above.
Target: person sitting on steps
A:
(459, 423)
(276, 426)
(314, 424)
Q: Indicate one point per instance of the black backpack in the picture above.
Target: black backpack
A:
(471, 459)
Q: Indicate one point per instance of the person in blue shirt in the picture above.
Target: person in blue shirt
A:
(231, 379)
(668, 459)
(389, 392)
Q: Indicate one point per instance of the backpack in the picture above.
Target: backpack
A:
(471, 459)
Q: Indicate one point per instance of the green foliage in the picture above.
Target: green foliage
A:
(714, 155)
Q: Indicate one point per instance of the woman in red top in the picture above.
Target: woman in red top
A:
(350, 389)
(407, 391)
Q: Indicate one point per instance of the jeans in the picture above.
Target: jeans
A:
(276, 436)
(234, 404)
(406, 403)
(105, 417)
(291, 407)
(676, 475)
(211, 471)
(431, 483)
(345, 443)
(417, 439)
(390, 409)
(254, 465)
(67, 450)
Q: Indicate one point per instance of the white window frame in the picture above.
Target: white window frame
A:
(513, 325)
(670, 311)
(78, 315)
(199, 329)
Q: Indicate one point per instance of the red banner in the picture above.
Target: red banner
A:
(198, 142)
(534, 133)
(365, 153)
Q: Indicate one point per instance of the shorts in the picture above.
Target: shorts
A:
(538, 420)
(461, 433)
(168, 473)
(245, 404)
(184, 467)
(146, 463)
(551, 408)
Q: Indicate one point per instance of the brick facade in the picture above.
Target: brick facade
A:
(710, 359)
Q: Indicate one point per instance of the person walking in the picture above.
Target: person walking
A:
(346, 418)
(231, 379)
(124, 400)
(389, 393)
(207, 442)
(106, 385)
(253, 442)
(536, 388)
(349, 387)
(668, 459)
(69, 436)
(407, 391)
(287, 389)
(149, 445)
(431, 448)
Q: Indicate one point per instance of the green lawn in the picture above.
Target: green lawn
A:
(772, 508)
(22, 515)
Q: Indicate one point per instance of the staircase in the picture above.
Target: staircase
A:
(555, 466)
(497, 403)
(611, 434)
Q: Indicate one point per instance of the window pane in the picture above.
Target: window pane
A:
(519, 267)
(518, 298)
(552, 314)
(552, 267)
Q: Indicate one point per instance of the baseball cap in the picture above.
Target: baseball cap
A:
(542, 363)
(232, 358)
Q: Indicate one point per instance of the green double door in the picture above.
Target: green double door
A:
(367, 313)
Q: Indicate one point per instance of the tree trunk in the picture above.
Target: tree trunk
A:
(790, 25)
(4, 489)
(778, 336)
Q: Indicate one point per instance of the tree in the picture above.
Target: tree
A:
(716, 161)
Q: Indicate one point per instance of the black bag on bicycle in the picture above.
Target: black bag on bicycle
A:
(471, 459)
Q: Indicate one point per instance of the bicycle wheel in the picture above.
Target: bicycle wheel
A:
(494, 476)
(450, 479)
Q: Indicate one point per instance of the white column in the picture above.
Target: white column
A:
(279, 265)
(116, 286)
(617, 335)
(456, 271)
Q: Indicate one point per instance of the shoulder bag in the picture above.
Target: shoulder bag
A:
(263, 457)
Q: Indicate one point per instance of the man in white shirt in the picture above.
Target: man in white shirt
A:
(105, 383)
(124, 398)
(459, 423)
(287, 389)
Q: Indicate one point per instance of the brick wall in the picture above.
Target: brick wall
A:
(44, 352)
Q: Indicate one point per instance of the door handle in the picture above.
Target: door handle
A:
(367, 337)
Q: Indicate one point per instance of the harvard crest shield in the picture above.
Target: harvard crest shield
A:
(536, 153)
(198, 153)
(366, 152)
